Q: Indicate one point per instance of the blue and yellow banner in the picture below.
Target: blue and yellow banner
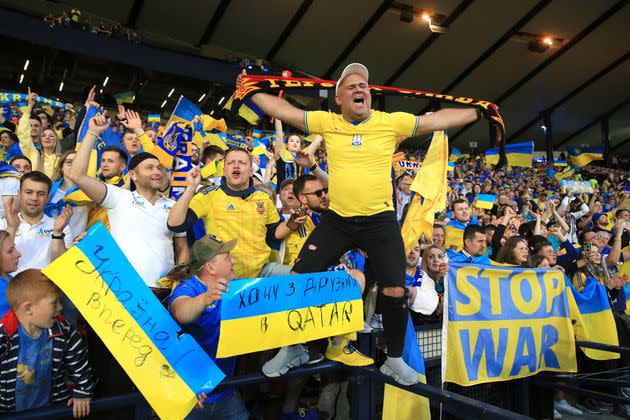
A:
(505, 323)
(518, 154)
(407, 165)
(154, 118)
(270, 312)
(583, 156)
(597, 323)
(169, 368)
(485, 201)
(9, 97)
(577, 186)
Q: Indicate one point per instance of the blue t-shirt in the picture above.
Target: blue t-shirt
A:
(34, 371)
(4, 303)
(205, 330)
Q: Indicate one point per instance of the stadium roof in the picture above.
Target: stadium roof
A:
(477, 48)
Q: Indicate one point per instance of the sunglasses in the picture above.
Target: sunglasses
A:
(318, 193)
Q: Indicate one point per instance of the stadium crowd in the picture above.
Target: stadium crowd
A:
(244, 219)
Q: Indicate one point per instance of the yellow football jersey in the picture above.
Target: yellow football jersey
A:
(294, 242)
(246, 219)
(360, 158)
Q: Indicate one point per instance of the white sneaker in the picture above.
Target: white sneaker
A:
(400, 371)
(287, 358)
(377, 322)
(564, 407)
(367, 328)
(556, 414)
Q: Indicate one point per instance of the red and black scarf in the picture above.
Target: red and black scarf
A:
(251, 84)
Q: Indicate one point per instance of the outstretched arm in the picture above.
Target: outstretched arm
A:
(445, 119)
(92, 187)
(277, 107)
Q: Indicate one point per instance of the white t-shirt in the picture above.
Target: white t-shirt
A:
(140, 230)
(79, 218)
(35, 242)
(9, 186)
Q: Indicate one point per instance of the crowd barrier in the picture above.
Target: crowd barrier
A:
(365, 386)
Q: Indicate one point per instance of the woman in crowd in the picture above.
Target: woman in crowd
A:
(514, 252)
(423, 298)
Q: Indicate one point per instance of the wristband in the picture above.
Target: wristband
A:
(92, 133)
(479, 114)
(63, 235)
(312, 168)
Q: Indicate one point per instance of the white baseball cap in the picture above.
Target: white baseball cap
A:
(354, 68)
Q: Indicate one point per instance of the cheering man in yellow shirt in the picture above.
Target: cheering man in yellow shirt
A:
(360, 143)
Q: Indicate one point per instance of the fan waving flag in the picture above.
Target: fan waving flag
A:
(584, 156)
(106, 139)
(518, 154)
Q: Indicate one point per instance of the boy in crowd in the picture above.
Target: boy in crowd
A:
(39, 350)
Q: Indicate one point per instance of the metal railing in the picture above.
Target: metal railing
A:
(363, 381)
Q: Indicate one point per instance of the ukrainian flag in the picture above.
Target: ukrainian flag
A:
(7, 170)
(451, 166)
(455, 155)
(125, 97)
(454, 234)
(249, 111)
(106, 139)
(560, 162)
(597, 321)
(155, 118)
(584, 156)
(567, 172)
(404, 405)
(518, 154)
(486, 201)
(186, 111)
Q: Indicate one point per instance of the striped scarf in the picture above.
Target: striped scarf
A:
(250, 85)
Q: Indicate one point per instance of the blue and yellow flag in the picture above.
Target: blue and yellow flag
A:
(125, 97)
(518, 154)
(583, 156)
(169, 368)
(457, 155)
(597, 321)
(155, 118)
(454, 235)
(567, 172)
(271, 312)
(186, 111)
(560, 162)
(8, 171)
(451, 166)
(504, 323)
(249, 111)
(106, 139)
(485, 201)
(404, 405)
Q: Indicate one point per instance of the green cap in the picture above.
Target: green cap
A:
(206, 248)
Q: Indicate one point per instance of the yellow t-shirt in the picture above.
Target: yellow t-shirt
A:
(231, 217)
(294, 242)
(360, 158)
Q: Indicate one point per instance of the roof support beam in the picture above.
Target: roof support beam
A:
(427, 43)
(566, 47)
(493, 48)
(378, 13)
(214, 22)
(288, 30)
